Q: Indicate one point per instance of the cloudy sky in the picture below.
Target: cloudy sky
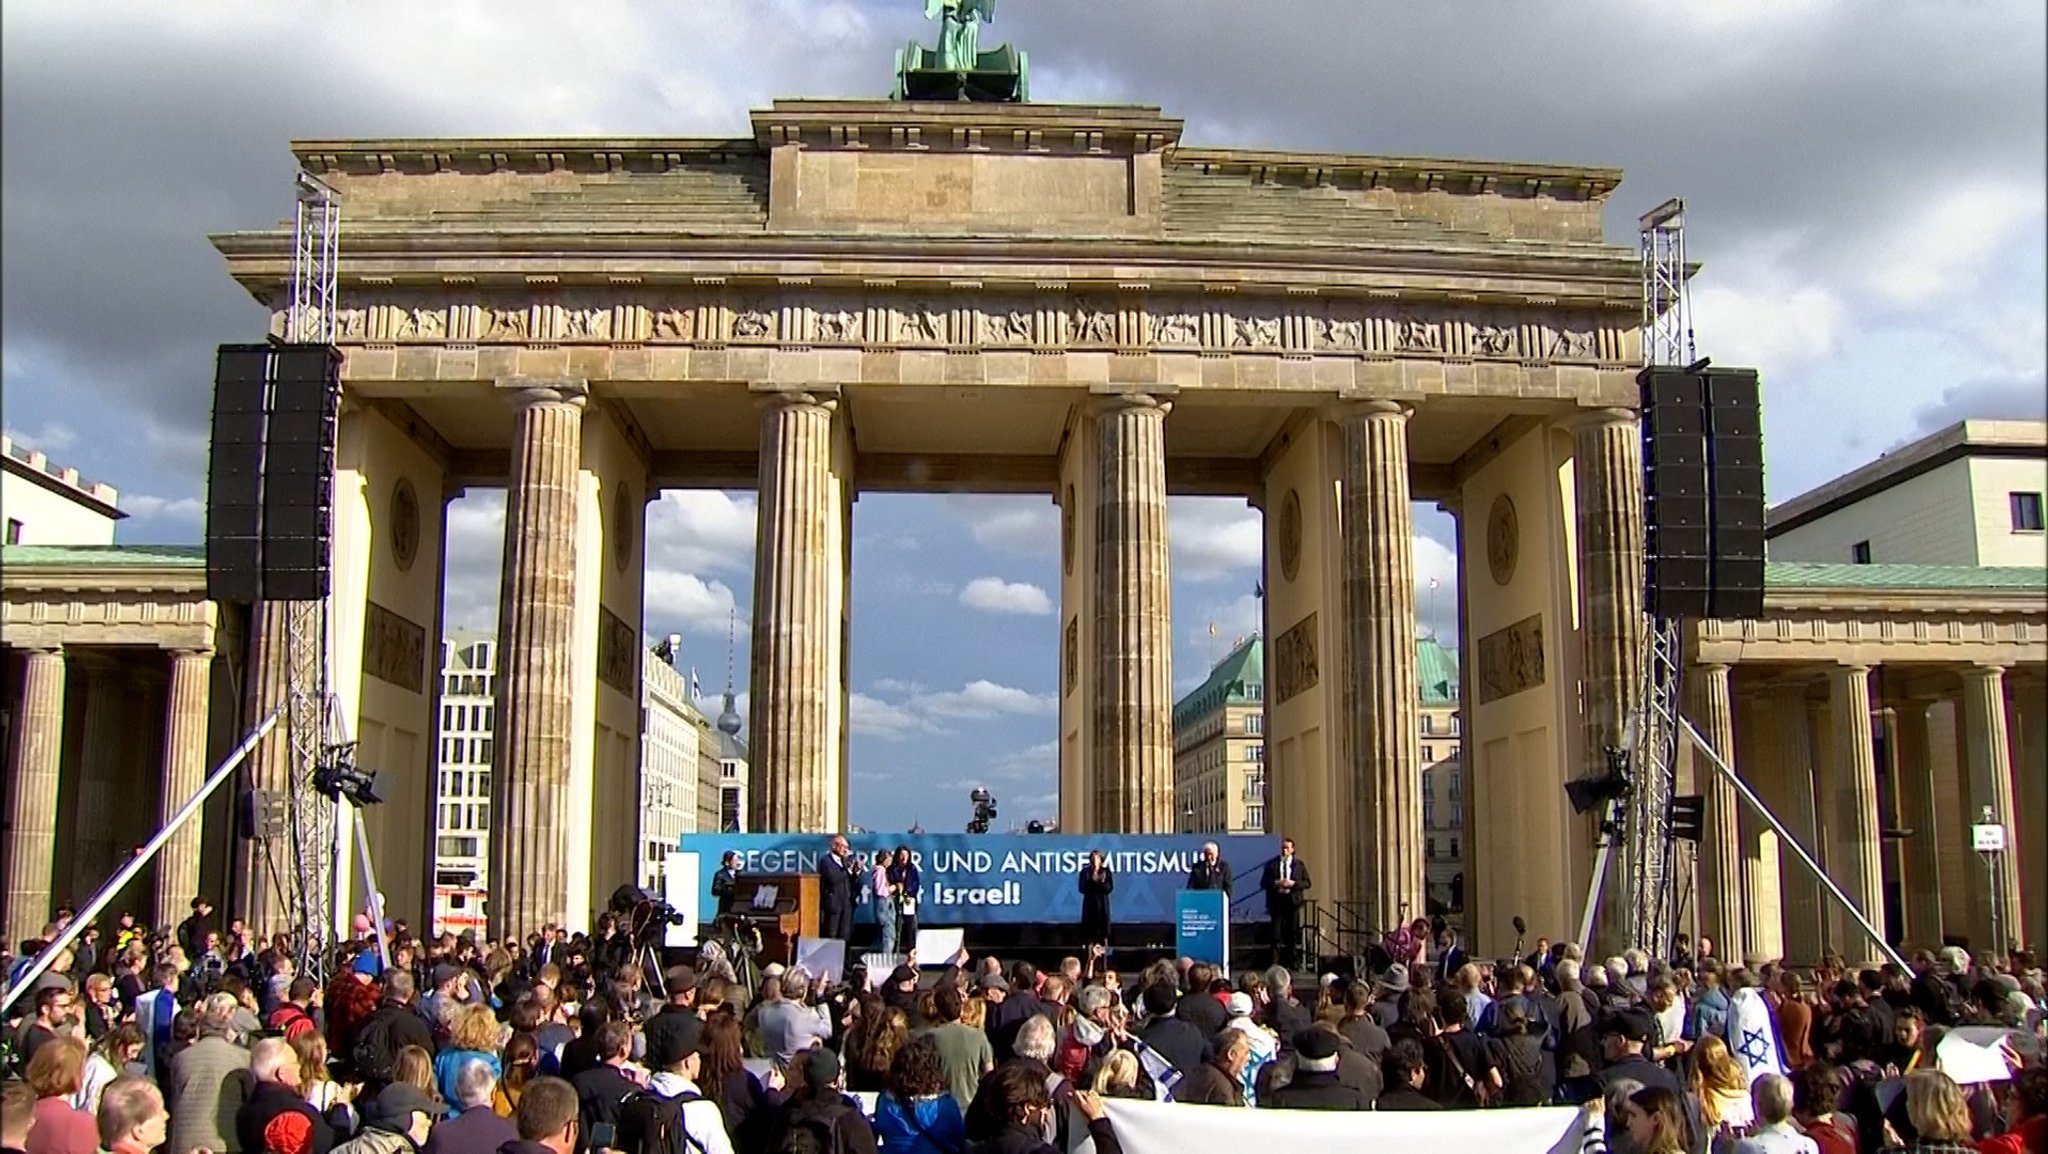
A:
(1865, 181)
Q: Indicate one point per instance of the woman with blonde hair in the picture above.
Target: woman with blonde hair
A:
(472, 1037)
(316, 1083)
(1941, 1119)
(1720, 1087)
(415, 1067)
(1117, 1077)
(522, 1065)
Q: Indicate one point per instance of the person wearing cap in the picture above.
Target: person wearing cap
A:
(900, 990)
(397, 1121)
(1623, 1037)
(1315, 1085)
(1263, 1046)
(675, 1059)
(276, 1118)
(1393, 986)
(679, 1013)
(816, 1105)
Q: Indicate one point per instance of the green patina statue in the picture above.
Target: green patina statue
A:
(958, 69)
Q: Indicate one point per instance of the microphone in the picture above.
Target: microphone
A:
(1521, 927)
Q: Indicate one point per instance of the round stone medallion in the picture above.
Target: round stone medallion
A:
(1067, 531)
(624, 527)
(1290, 535)
(405, 524)
(1503, 540)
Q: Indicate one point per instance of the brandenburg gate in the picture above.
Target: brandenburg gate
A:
(922, 297)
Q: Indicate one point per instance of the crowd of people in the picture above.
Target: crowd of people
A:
(206, 1039)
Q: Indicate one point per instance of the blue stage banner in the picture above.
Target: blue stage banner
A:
(1011, 879)
(1200, 931)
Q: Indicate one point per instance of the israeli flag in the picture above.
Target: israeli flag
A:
(1751, 1031)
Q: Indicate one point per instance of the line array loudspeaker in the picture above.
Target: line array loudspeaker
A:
(234, 474)
(298, 481)
(1703, 492)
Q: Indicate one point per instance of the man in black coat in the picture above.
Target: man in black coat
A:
(1285, 880)
(1016, 1004)
(603, 1088)
(1199, 1007)
(1210, 871)
(836, 880)
(1315, 1085)
(1175, 1040)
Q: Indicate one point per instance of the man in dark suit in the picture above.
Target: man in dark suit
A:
(836, 880)
(1285, 880)
(725, 883)
(1210, 871)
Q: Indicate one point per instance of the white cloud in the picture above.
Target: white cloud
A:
(52, 438)
(871, 716)
(1942, 248)
(1214, 538)
(982, 699)
(1024, 526)
(897, 686)
(476, 541)
(674, 600)
(701, 531)
(1039, 762)
(995, 595)
(1436, 610)
(148, 507)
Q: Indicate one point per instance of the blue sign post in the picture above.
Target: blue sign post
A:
(1012, 879)
(1202, 926)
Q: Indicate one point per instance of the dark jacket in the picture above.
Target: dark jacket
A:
(1366, 1036)
(1277, 899)
(403, 1027)
(1008, 1017)
(1316, 1090)
(474, 1131)
(835, 884)
(1286, 1019)
(1017, 1140)
(1095, 918)
(1176, 1041)
(1200, 1009)
(1407, 1099)
(1209, 1085)
(671, 1020)
(852, 1133)
(277, 1120)
(600, 1091)
(1211, 877)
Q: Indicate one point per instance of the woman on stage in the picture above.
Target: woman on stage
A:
(904, 880)
(1097, 882)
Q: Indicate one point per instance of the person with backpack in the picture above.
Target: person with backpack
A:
(373, 1050)
(672, 1116)
(817, 1118)
(293, 1017)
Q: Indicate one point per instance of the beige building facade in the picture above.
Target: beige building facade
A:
(1219, 746)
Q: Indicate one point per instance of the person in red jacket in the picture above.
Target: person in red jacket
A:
(2026, 1124)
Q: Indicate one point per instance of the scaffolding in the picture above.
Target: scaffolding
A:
(311, 713)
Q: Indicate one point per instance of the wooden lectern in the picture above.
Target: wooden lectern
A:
(791, 913)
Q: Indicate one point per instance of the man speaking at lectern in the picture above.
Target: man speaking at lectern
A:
(1285, 880)
(1211, 872)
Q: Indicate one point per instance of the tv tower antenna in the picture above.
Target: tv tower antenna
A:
(729, 721)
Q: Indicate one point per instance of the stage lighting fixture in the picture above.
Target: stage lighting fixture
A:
(1591, 792)
(338, 777)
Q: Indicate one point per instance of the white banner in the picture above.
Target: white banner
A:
(1178, 1128)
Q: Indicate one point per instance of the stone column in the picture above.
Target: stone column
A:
(1805, 926)
(93, 857)
(1988, 745)
(264, 880)
(1608, 478)
(31, 833)
(184, 771)
(1861, 875)
(1918, 812)
(794, 679)
(1763, 855)
(536, 639)
(1720, 862)
(1132, 716)
(1383, 777)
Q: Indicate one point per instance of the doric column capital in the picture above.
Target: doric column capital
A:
(190, 653)
(1985, 671)
(1717, 669)
(1595, 419)
(48, 649)
(528, 391)
(1844, 670)
(1368, 408)
(814, 398)
(1107, 404)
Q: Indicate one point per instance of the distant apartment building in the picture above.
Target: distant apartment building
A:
(680, 771)
(1219, 758)
(43, 504)
(1970, 494)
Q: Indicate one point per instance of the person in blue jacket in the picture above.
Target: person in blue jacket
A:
(917, 1113)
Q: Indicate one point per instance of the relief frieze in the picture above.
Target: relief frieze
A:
(1166, 321)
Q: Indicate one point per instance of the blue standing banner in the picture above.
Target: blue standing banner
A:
(1012, 879)
(1201, 929)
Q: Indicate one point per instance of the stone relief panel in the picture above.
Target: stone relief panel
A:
(618, 656)
(1177, 326)
(1255, 330)
(1015, 324)
(1511, 660)
(1295, 664)
(922, 322)
(754, 321)
(840, 325)
(394, 648)
(1091, 322)
(673, 324)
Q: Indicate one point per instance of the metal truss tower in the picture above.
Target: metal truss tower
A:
(1650, 855)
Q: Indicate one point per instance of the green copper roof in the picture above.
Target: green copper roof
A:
(1436, 672)
(105, 556)
(1833, 575)
(1232, 680)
